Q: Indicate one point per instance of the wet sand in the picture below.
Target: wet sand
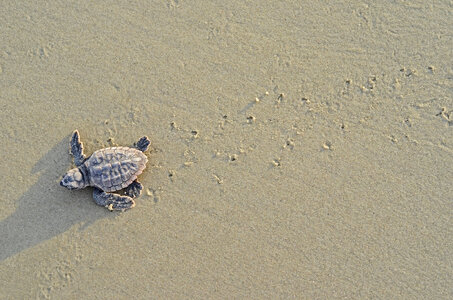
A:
(298, 149)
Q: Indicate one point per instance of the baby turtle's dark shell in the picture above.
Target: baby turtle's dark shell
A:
(112, 169)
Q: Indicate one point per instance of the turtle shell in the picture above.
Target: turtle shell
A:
(112, 169)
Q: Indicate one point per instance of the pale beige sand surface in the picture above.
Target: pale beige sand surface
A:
(300, 149)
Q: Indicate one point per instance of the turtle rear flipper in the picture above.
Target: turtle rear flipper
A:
(143, 144)
(134, 189)
(112, 201)
(77, 149)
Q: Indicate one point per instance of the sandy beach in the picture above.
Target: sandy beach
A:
(299, 149)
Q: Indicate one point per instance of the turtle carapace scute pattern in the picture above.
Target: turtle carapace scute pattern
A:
(108, 170)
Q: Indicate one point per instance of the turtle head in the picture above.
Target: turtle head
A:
(73, 180)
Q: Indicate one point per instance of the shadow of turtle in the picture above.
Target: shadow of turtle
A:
(47, 209)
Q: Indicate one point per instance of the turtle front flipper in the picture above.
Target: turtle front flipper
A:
(112, 201)
(143, 144)
(77, 149)
(134, 189)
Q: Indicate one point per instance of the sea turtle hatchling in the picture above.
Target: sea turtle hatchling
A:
(108, 170)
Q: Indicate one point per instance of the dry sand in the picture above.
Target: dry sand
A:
(299, 149)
